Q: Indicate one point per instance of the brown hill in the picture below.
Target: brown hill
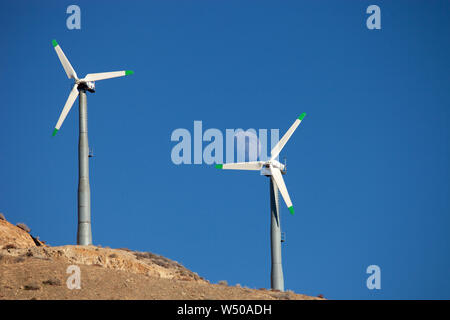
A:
(29, 269)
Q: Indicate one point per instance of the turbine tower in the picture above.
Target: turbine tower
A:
(273, 169)
(84, 234)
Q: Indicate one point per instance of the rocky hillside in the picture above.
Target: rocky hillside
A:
(30, 269)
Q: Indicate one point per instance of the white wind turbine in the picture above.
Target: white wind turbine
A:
(84, 235)
(273, 169)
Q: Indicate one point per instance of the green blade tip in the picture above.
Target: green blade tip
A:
(54, 132)
(291, 209)
(128, 72)
(219, 166)
(54, 43)
(302, 116)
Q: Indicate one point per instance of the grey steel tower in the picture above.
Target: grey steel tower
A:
(273, 169)
(276, 275)
(84, 234)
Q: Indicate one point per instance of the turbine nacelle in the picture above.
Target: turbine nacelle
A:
(86, 85)
(271, 164)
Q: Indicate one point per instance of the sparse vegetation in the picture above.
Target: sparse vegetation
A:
(168, 264)
(145, 255)
(52, 282)
(23, 226)
(113, 255)
(10, 246)
(31, 286)
(140, 255)
(19, 259)
(283, 296)
(196, 276)
(223, 282)
(161, 263)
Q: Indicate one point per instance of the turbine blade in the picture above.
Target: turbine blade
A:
(64, 61)
(69, 103)
(280, 145)
(278, 178)
(252, 165)
(106, 75)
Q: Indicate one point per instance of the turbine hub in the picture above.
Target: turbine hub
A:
(86, 85)
(265, 170)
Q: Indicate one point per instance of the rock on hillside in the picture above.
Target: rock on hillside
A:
(13, 236)
(17, 243)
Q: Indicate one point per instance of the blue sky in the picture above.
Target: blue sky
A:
(368, 167)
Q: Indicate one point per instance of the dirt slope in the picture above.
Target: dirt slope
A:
(30, 269)
(12, 235)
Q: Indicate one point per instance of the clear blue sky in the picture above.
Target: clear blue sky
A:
(368, 167)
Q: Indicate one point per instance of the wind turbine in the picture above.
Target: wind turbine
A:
(273, 169)
(84, 234)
